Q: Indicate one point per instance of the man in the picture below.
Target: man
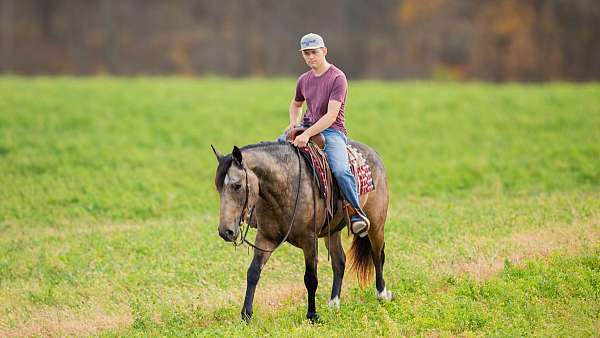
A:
(324, 89)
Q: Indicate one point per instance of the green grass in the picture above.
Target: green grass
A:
(108, 212)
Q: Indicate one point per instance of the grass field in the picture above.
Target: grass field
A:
(108, 212)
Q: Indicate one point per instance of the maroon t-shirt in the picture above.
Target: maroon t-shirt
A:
(318, 90)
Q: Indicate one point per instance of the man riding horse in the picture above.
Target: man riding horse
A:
(324, 88)
(262, 185)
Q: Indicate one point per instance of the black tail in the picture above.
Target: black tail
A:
(361, 261)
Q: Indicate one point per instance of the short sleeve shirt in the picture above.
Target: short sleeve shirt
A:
(319, 90)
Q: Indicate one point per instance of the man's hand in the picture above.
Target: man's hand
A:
(289, 127)
(301, 140)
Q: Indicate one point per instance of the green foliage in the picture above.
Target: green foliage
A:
(108, 208)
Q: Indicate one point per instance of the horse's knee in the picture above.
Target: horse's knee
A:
(253, 275)
(310, 280)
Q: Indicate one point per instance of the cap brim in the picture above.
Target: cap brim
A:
(301, 49)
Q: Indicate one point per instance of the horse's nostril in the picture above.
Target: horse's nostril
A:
(227, 234)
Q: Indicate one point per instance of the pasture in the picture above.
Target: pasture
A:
(108, 210)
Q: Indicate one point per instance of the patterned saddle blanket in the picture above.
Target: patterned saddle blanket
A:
(358, 165)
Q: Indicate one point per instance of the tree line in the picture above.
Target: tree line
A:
(491, 40)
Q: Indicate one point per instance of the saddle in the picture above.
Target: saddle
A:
(317, 159)
(318, 139)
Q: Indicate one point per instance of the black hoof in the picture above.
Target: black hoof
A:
(246, 316)
(313, 317)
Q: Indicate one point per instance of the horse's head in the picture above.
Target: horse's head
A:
(238, 192)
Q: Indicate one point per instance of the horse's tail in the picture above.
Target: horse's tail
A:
(361, 262)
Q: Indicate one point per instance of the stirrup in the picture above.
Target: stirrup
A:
(350, 213)
(360, 226)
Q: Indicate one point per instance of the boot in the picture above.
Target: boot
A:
(359, 225)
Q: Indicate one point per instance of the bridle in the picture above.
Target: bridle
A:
(251, 212)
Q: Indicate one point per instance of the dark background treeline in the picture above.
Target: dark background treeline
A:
(496, 40)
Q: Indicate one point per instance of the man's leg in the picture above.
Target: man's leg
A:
(281, 138)
(337, 155)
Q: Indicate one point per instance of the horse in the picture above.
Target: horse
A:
(268, 184)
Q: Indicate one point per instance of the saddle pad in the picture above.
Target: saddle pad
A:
(361, 171)
(318, 160)
(358, 165)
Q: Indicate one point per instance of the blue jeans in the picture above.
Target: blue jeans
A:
(337, 156)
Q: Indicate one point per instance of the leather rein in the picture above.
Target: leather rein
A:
(251, 213)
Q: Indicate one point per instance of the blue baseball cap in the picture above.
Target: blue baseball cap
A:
(311, 41)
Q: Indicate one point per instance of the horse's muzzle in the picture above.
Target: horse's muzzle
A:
(228, 235)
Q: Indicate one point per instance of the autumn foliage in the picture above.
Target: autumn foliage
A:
(494, 40)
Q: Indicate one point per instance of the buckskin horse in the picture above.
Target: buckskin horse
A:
(270, 186)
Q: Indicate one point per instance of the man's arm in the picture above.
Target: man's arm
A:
(333, 109)
(295, 111)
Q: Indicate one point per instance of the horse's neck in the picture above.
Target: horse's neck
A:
(276, 173)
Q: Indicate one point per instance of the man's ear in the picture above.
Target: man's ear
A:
(237, 155)
(217, 153)
(324, 50)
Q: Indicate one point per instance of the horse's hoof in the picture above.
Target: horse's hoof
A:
(313, 317)
(246, 316)
(385, 295)
(334, 303)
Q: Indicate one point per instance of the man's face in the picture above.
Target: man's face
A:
(314, 58)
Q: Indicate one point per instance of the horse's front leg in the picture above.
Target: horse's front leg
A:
(258, 262)
(310, 280)
(338, 263)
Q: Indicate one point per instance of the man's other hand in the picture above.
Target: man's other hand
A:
(289, 127)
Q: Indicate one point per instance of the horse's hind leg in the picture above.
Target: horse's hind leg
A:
(376, 209)
(378, 254)
(338, 263)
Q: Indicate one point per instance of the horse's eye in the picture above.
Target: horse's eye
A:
(236, 186)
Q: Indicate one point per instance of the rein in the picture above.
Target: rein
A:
(241, 219)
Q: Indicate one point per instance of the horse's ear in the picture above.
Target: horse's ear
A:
(217, 153)
(237, 155)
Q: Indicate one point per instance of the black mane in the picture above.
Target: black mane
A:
(225, 161)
